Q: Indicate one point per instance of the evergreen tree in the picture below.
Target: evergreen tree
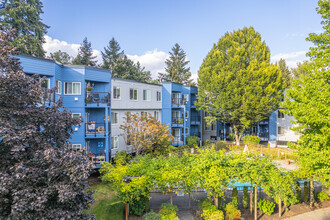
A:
(300, 69)
(24, 16)
(285, 72)
(40, 178)
(111, 55)
(85, 54)
(237, 83)
(176, 70)
(308, 100)
(61, 57)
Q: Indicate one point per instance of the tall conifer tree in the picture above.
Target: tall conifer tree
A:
(85, 54)
(24, 16)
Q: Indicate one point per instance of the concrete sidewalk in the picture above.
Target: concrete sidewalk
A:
(319, 214)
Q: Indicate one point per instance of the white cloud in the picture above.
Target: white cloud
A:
(291, 59)
(194, 76)
(153, 61)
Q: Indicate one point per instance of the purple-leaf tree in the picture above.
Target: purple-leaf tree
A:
(40, 178)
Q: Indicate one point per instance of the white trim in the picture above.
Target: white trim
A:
(76, 148)
(72, 84)
(117, 87)
(75, 114)
(147, 91)
(59, 88)
(112, 145)
(160, 96)
(112, 121)
(137, 94)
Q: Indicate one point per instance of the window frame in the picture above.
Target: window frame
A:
(147, 92)
(76, 149)
(112, 121)
(280, 114)
(58, 87)
(116, 88)
(186, 130)
(158, 96)
(280, 128)
(137, 94)
(156, 115)
(75, 114)
(113, 142)
(65, 83)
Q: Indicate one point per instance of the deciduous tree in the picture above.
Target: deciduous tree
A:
(237, 83)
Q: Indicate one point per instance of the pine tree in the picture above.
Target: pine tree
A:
(24, 16)
(286, 74)
(237, 84)
(111, 55)
(40, 178)
(85, 54)
(176, 70)
(61, 57)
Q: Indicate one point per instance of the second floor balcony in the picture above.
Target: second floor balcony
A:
(177, 121)
(94, 129)
(195, 119)
(178, 101)
(98, 98)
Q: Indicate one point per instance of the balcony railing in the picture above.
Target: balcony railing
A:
(98, 97)
(178, 101)
(195, 119)
(177, 140)
(95, 128)
(48, 97)
(177, 121)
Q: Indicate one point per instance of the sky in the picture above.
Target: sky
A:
(148, 29)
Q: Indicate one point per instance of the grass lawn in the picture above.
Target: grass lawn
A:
(105, 206)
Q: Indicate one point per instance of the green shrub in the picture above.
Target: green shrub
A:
(306, 191)
(298, 192)
(209, 211)
(245, 197)
(206, 143)
(168, 212)
(192, 141)
(234, 196)
(232, 137)
(266, 206)
(219, 145)
(232, 212)
(151, 216)
(122, 157)
(250, 139)
(205, 202)
(139, 206)
(323, 196)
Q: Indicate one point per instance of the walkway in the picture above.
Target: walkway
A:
(319, 214)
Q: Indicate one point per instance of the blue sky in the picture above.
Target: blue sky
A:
(147, 30)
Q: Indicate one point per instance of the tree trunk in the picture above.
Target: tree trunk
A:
(255, 202)
(311, 194)
(251, 202)
(216, 202)
(126, 209)
(279, 208)
(171, 198)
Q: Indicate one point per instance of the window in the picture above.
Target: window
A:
(176, 114)
(114, 142)
(72, 88)
(280, 114)
(75, 147)
(144, 113)
(187, 130)
(187, 114)
(116, 92)
(186, 97)
(156, 115)
(280, 130)
(45, 83)
(76, 115)
(114, 117)
(133, 94)
(159, 96)
(58, 87)
(208, 127)
(146, 95)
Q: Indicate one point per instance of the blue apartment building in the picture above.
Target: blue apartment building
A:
(179, 112)
(85, 92)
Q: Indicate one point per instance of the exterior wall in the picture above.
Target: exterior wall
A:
(97, 112)
(288, 135)
(124, 104)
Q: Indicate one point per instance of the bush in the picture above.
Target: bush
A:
(219, 145)
(209, 211)
(266, 206)
(234, 196)
(168, 212)
(323, 196)
(306, 191)
(245, 197)
(206, 143)
(122, 157)
(151, 216)
(232, 137)
(192, 141)
(250, 139)
(232, 212)
(139, 206)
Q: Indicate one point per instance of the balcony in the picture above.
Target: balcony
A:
(264, 136)
(195, 119)
(177, 122)
(197, 134)
(177, 140)
(47, 98)
(93, 129)
(97, 98)
(193, 100)
(178, 101)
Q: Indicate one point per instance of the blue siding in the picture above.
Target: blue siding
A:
(273, 126)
